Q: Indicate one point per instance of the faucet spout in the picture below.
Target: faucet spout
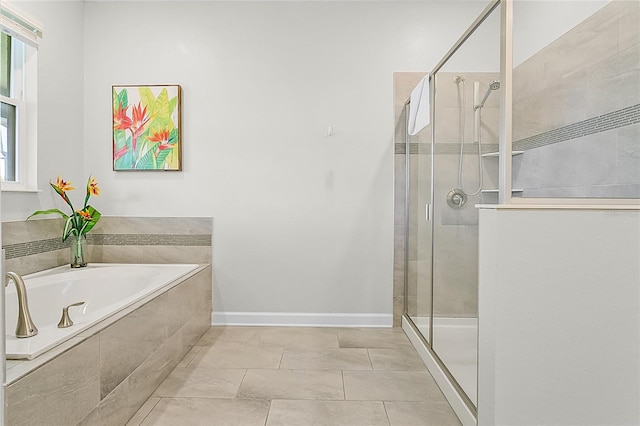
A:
(25, 326)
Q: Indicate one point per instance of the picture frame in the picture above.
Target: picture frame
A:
(147, 127)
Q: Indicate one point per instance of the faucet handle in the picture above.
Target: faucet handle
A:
(65, 321)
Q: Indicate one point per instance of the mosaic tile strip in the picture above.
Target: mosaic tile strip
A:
(150, 239)
(613, 120)
(42, 246)
(401, 148)
(622, 117)
(29, 248)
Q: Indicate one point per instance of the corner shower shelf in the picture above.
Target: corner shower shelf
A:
(496, 154)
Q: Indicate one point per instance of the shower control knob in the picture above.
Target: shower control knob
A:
(456, 199)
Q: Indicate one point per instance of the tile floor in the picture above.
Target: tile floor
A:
(271, 376)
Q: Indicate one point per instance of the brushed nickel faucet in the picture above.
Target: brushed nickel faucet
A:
(65, 321)
(25, 326)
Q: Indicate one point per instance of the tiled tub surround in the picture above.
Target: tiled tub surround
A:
(105, 374)
(110, 380)
(576, 110)
(35, 245)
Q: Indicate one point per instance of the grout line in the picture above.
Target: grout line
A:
(344, 390)
(281, 358)
(370, 362)
(246, 370)
(386, 413)
(266, 419)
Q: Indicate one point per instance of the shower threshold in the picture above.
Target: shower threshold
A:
(455, 341)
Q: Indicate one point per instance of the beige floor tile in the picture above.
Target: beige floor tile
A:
(238, 355)
(201, 382)
(209, 412)
(379, 338)
(327, 413)
(292, 384)
(304, 338)
(299, 376)
(390, 386)
(421, 413)
(401, 359)
(326, 359)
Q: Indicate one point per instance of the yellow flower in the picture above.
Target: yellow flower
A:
(85, 214)
(62, 185)
(92, 187)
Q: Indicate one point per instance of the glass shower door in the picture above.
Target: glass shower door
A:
(419, 244)
(467, 110)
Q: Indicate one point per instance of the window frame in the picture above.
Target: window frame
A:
(24, 96)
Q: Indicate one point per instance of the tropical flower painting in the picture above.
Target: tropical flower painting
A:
(146, 128)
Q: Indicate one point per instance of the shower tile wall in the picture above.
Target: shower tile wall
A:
(576, 110)
(456, 230)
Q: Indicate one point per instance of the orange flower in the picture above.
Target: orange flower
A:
(85, 214)
(120, 119)
(140, 117)
(92, 187)
(162, 136)
(62, 185)
(80, 221)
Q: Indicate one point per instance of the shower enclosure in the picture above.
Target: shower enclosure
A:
(523, 117)
(520, 117)
(451, 166)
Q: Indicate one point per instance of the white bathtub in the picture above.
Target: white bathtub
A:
(106, 290)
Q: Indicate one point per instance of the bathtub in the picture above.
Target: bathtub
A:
(106, 289)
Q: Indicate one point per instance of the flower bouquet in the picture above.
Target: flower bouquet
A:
(79, 222)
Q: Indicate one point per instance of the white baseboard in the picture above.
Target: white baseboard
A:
(301, 319)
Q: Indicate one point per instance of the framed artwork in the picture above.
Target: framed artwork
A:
(147, 127)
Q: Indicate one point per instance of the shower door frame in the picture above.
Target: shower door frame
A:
(504, 165)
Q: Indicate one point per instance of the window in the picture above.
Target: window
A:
(18, 96)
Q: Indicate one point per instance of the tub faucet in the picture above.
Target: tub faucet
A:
(25, 326)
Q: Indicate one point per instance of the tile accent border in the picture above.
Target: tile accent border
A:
(200, 240)
(602, 123)
(612, 120)
(35, 245)
(30, 248)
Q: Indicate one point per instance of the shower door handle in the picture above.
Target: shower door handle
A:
(428, 214)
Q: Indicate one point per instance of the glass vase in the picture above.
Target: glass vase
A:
(78, 251)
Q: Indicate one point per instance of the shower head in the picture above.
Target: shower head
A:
(494, 85)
